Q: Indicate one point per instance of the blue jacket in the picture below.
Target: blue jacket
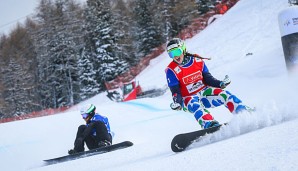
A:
(99, 118)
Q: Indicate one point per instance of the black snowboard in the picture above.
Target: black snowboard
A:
(181, 141)
(92, 152)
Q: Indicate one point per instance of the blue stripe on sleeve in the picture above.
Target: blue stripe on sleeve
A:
(171, 78)
(205, 68)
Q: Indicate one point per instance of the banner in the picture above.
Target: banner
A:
(288, 25)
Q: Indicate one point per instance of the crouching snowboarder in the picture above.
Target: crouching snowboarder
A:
(193, 87)
(96, 133)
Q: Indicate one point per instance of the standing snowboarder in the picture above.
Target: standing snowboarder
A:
(194, 88)
(96, 133)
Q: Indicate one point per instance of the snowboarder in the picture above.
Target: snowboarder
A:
(96, 133)
(194, 89)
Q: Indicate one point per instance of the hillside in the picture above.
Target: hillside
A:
(245, 44)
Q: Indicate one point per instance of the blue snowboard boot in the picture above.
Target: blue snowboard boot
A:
(211, 124)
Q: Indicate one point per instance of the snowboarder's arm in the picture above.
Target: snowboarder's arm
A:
(177, 98)
(209, 79)
(176, 94)
(174, 86)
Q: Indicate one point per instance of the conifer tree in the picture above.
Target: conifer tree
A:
(123, 34)
(58, 43)
(99, 26)
(88, 79)
(147, 35)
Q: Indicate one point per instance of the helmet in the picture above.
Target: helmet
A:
(87, 110)
(176, 47)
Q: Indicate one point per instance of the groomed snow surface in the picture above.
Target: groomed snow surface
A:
(245, 44)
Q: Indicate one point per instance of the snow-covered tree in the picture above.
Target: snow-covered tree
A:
(204, 5)
(147, 34)
(100, 30)
(123, 32)
(88, 78)
(58, 43)
(18, 74)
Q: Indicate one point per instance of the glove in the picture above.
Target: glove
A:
(225, 82)
(175, 106)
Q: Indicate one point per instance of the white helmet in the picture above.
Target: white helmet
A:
(176, 43)
(88, 109)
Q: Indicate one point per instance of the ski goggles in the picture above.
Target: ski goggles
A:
(85, 115)
(175, 52)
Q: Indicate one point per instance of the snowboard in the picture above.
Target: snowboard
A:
(92, 152)
(181, 141)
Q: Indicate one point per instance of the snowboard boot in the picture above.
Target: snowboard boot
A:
(242, 108)
(104, 143)
(72, 151)
(210, 124)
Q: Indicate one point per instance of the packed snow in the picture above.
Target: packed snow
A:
(244, 44)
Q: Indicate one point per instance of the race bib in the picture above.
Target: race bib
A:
(193, 78)
(194, 87)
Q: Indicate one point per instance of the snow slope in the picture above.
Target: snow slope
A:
(264, 140)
